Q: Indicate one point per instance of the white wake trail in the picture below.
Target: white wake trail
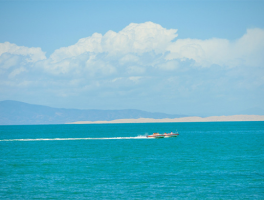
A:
(55, 139)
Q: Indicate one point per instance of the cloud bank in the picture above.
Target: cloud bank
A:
(140, 60)
(245, 51)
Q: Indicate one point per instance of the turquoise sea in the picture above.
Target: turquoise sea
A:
(208, 160)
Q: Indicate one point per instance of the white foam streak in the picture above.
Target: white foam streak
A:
(54, 139)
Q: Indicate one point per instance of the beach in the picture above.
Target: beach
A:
(183, 119)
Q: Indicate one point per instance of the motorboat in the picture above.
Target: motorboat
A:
(171, 134)
(164, 135)
(155, 135)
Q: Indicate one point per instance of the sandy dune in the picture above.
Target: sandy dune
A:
(183, 119)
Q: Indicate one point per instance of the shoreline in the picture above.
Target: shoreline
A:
(233, 118)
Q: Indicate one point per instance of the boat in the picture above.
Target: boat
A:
(164, 135)
(171, 134)
(155, 135)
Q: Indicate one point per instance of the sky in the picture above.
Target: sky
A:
(187, 57)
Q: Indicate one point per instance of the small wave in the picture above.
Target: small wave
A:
(54, 139)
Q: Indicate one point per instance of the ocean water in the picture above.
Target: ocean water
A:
(212, 160)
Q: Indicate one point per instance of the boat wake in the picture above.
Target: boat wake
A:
(55, 139)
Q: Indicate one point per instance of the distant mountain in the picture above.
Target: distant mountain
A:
(19, 113)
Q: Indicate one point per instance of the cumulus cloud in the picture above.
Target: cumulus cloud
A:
(246, 50)
(135, 50)
(34, 54)
(7, 61)
(89, 44)
(96, 67)
(140, 46)
(138, 38)
(135, 38)
(142, 57)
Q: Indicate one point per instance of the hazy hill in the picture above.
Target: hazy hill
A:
(15, 112)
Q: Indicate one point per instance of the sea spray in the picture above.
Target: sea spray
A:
(56, 139)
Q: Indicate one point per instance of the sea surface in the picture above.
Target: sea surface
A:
(208, 160)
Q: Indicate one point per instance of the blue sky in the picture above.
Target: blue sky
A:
(178, 57)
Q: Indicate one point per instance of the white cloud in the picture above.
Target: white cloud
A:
(135, 38)
(57, 68)
(128, 59)
(16, 72)
(34, 54)
(142, 58)
(138, 46)
(126, 81)
(96, 66)
(89, 44)
(247, 50)
(135, 78)
(135, 49)
(7, 61)
(138, 38)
